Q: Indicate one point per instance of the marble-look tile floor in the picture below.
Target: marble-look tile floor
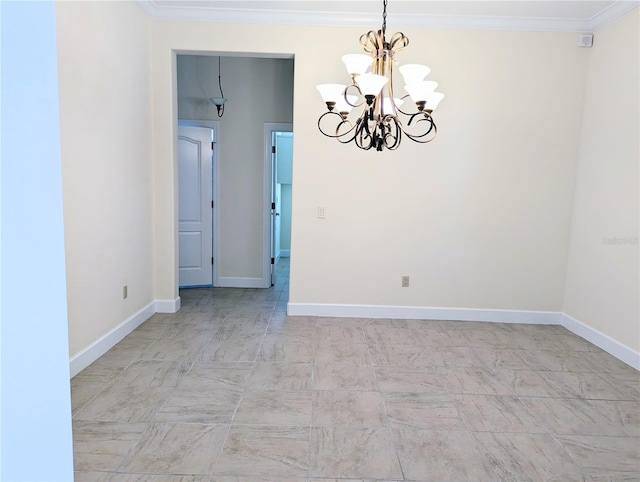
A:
(231, 389)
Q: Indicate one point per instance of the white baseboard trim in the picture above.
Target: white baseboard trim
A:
(235, 282)
(424, 313)
(608, 344)
(167, 306)
(285, 253)
(102, 345)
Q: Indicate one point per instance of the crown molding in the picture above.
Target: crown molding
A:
(611, 14)
(370, 20)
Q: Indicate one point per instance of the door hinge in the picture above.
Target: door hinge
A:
(211, 259)
(273, 261)
(273, 149)
(212, 145)
(273, 205)
(211, 203)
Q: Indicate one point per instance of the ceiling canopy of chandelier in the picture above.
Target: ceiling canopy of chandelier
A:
(380, 125)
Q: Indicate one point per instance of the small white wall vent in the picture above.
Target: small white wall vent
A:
(585, 41)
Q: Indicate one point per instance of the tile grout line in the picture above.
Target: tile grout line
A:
(396, 449)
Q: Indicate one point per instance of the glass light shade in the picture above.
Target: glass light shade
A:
(420, 91)
(331, 92)
(433, 100)
(387, 106)
(357, 64)
(414, 72)
(371, 84)
(217, 100)
(343, 106)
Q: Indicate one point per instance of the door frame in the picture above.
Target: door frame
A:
(269, 129)
(215, 127)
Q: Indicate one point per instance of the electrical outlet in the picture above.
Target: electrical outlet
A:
(405, 281)
(125, 292)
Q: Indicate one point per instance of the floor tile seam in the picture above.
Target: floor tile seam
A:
(582, 399)
(233, 416)
(582, 434)
(171, 393)
(348, 427)
(161, 474)
(612, 400)
(126, 457)
(406, 426)
(386, 417)
(84, 405)
(310, 432)
(311, 419)
(566, 450)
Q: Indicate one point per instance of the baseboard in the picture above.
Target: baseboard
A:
(167, 306)
(285, 253)
(235, 282)
(424, 313)
(88, 355)
(608, 344)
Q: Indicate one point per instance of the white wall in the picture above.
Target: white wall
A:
(479, 219)
(35, 415)
(259, 90)
(105, 117)
(602, 288)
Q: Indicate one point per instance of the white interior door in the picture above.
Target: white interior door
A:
(194, 206)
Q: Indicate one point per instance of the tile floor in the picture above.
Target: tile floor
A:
(231, 389)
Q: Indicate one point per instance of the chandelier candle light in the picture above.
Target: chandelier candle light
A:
(379, 125)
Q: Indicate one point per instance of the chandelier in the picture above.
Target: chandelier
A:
(380, 124)
(219, 101)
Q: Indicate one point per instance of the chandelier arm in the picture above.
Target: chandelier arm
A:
(355, 129)
(363, 134)
(409, 114)
(360, 142)
(343, 121)
(372, 41)
(397, 136)
(398, 42)
(346, 92)
(420, 138)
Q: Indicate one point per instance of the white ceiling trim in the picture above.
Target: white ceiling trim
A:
(611, 14)
(372, 21)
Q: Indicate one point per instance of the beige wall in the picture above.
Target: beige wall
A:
(602, 287)
(104, 67)
(259, 90)
(480, 218)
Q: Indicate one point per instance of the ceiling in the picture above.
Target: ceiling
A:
(539, 15)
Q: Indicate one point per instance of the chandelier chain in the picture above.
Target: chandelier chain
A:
(220, 78)
(384, 17)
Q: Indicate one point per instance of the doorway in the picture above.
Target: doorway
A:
(278, 163)
(240, 217)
